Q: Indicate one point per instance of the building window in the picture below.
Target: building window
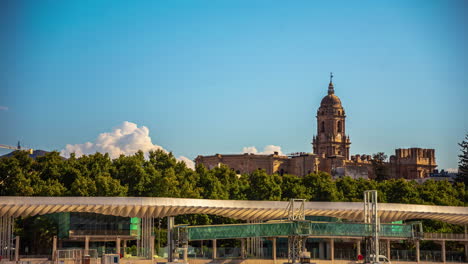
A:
(323, 127)
(339, 112)
(339, 126)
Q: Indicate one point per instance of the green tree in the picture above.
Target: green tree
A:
(132, 172)
(400, 191)
(37, 233)
(169, 184)
(321, 187)
(107, 186)
(50, 166)
(210, 186)
(83, 186)
(349, 189)
(235, 185)
(381, 170)
(463, 161)
(15, 174)
(439, 193)
(264, 186)
(292, 187)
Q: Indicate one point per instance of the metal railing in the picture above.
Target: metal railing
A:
(448, 236)
(99, 232)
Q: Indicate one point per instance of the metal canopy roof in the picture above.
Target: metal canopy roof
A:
(245, 210)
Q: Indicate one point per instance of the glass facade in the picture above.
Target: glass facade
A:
(84, 224)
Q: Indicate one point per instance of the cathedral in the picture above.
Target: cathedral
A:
(331, 153)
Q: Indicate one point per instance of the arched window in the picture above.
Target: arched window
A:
(322, 129)
(339, 112)
(339, 126)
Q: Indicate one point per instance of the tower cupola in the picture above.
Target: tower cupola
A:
(331, 139)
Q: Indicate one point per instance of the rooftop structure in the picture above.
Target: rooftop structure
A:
(331, 152)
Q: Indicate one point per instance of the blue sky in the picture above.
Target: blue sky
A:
(211, 77)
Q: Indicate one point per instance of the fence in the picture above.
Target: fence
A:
(77, 256)
(450, 236)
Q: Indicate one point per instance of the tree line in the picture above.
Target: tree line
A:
(159, 174)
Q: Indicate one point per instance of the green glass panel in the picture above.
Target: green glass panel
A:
(306, 228)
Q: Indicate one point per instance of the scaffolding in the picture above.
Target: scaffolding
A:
(371, 217)
(296, 240)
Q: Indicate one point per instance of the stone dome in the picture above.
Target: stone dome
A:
(330, 100)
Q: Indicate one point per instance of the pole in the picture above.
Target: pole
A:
(418, 256)
(54, 248)
(388, 249)
(17, 245)
(274, 249)
(242, 248)
(358, 247)
(170, 242)
(214, 249)
(152, 246)
(86, 244)
(443, 251)
(117, 245)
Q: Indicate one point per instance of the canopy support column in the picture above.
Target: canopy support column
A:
(214, 249)
(54, 248)
(443, 251)
(86, 244)
(170, 242)
(17, 247)
(274, 249)
(358, 247)
(418, 256)
(117, 245)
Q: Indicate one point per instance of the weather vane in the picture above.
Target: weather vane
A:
(331, 76)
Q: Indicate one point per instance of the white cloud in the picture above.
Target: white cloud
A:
(3, 108)
(190, 164)
(270, 149)
(250, 150)
(125, 139)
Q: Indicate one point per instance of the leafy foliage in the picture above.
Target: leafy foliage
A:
(159, 174)
(463, 161)
(381, 170)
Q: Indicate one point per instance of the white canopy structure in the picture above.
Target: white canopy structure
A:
(147, 207)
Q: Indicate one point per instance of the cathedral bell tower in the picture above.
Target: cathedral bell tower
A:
(331, 140)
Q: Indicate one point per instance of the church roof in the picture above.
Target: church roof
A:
(330, 100)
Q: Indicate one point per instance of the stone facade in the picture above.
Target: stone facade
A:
(331, 153)
(413, 163)
(274, 163)
(331, 139)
